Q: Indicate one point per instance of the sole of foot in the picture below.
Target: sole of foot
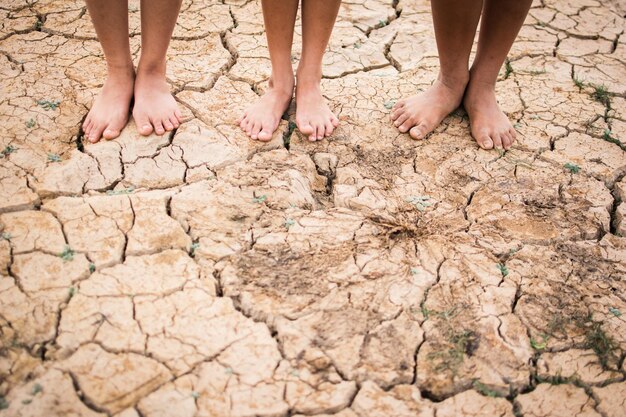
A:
(110, 110)
(155, 108)
(422, 113)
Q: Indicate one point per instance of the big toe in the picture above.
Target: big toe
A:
(420, 131)
(143, 124)
(265, 134)
(484, 141)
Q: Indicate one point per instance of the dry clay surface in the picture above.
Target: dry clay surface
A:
(368, 275)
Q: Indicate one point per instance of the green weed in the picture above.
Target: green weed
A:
(37, 388)
(615, 312)
(67, 254)
(4, 404)
(49, 104)
(289, 223)
(573, 168)
(52, 157)
(503, 269)
(194, 247)
(260, 199)
(508, 69)
(608, 136)
(389, 105)
(6, 236)
(31, 123)
(601, 94)
(7, 151)
(601, 343)
(121, 191)
(72, 292)
(579, 83)
(92, 268)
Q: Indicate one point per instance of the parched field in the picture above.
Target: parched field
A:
(368, 275)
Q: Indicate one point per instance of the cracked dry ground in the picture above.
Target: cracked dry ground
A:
(203, 274)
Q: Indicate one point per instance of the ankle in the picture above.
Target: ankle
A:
(152, 67)
(455, 82)
(282, 83)
(121, 72)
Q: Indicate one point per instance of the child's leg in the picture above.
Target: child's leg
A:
(109, 112)
(455, 24)
(262, 118)
(313, 116)
(155, 108)
(501, 22)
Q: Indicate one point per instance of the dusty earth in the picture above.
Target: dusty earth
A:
(203, 274)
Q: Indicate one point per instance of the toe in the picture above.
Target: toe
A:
(255, 131)
(244, 124)
(484, 141)
(507, 140)
(265, 134)
(178, 115)
(334, 120)
(143, 125)
(419, 132)
(167, 124)
(111, 133)
(408, 124)
(397, 113)
(401, 119)
(174, 121)
(328, 129)
(95, 133)
(158, 127)
(513, 134)
(306, 129)
(497, 141)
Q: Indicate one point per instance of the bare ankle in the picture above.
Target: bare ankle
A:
(151, 67)
(455, 82)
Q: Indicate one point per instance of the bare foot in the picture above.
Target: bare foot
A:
(109, 112)
(490, 126)
(261, 119)
(313, 117)
(422, 113)
(155, 108)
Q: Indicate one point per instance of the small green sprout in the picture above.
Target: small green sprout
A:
(6, 236)
(195, 395)
(27, 401)
(121, 191)
(49, 104)
(382, 23)
(72, 292)
(538, 72)
(420, 202)
(503, 269)
(508, 69)
(31, 123)
(52, 157)
(415, 271)
(8, 150)
(615, 312)
(357, 45)
(4, 404)
(67, 254)
(289, 223)
(389, 105)
(92, 267)
(607, 135)
(485, 390)
(601, 94)
(37, 388)
(573, 168)
(194, 247)
(260, 199)
(579, 83)
(228, 370)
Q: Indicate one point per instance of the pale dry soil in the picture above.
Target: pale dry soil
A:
(204, 274)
